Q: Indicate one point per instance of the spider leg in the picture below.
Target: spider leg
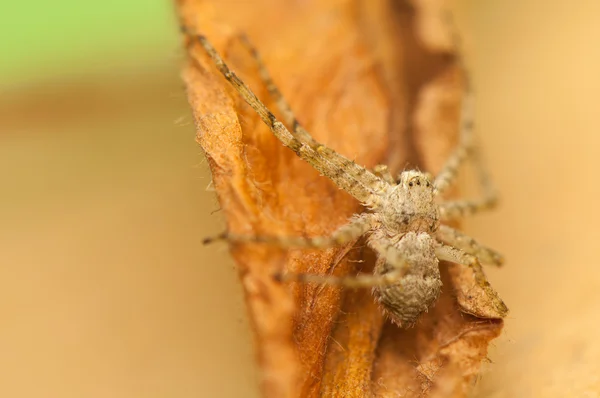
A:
(460, 208)
(466, 145)
(452, 254)
(383, 172)
(344, 234)
(388, 254)
(352, 281)
(469, 245)
(360, 173)
(313, 156)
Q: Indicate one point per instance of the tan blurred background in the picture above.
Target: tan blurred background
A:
(105, 196)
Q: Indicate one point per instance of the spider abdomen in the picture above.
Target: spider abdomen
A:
(420, 283)
(405, 301)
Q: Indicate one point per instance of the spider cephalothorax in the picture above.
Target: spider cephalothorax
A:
(408, 205)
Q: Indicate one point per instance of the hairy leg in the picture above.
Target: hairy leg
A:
(331, 170)
(460, 208)
(358, 172)
(452, 254)
(387, 254)
(353, 281)
(345, 234)
(466, 146)
(469, 245)
(447, 175)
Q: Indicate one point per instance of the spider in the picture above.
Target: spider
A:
(403, 218)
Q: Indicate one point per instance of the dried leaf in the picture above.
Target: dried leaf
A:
(376, 82)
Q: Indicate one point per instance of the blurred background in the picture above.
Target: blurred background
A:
(105, 196)
(105, 290)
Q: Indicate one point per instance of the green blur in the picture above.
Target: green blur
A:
(42, 39)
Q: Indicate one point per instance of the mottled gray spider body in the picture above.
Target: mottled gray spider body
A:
(403, 221)
(406, 219)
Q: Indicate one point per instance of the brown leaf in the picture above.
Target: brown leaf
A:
(376, 82)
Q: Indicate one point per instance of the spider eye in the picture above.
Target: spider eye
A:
(418, 182)
(410, 184)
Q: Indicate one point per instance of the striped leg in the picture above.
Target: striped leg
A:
(391, 256)
(388, 254)
(334, 172)
(360, 173)
(449, 171)
(345, 234)
(465, 142)
(452, 254)
(460, 208)
(466, 146)
(461, 241)
(352, 281)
